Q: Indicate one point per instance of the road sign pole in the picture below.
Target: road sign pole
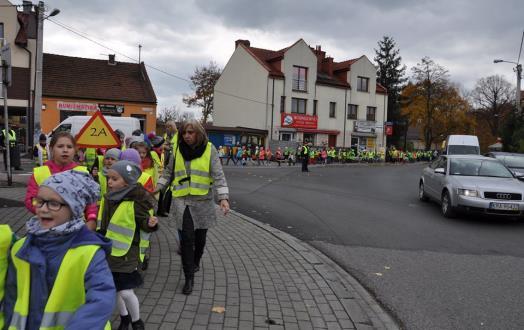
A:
(6, 129)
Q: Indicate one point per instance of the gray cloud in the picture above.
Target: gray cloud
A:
(464, 36)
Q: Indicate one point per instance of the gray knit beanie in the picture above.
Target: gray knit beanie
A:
(127, 170)
(113, 153)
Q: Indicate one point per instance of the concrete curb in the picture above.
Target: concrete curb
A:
(350, 292)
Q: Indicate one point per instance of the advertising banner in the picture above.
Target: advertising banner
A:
(295, 120)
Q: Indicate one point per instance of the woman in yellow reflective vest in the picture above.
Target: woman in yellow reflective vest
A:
(193, 172)
(58, 276)
(63, 149)
(126, 221)
(41, 151)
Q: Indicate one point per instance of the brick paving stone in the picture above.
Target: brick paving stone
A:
(254, 271)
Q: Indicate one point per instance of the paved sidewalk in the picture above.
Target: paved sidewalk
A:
(262, 277)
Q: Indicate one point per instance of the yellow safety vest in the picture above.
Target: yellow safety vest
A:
(11, 135)
(41, 151)
(90, 155)
(6, 238)
(67, 294)
(196, 180)
(121, 230)
(41, 173)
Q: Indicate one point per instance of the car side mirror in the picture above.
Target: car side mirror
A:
(440, 170)
(521, 178)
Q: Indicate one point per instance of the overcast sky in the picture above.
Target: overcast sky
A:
(463, 36)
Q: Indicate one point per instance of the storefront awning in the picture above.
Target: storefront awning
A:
(364, 134)
(318, 131)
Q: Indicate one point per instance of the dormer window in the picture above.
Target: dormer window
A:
(299, 78)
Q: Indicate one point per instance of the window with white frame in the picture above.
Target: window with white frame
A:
(287, 136)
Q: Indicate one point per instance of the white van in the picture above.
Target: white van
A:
(74, 124)
(462, 145)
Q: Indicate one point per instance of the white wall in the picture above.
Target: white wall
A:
(300, 55)
(245, 77)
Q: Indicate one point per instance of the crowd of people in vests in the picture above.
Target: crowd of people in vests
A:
(87, 245)
(257, 155)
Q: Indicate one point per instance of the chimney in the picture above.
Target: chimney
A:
(327, 65)
(27, 5)
(111, 60)
(243, 42)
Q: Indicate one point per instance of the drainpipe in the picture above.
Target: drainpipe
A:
(272, 109)
(345, 118)
(29, 117)
(384, 124)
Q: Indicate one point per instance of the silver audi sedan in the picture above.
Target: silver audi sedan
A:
(472, 183)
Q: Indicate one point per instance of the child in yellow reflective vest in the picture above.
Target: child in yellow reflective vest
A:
(58, 276)
(126, 221)
(7, 238)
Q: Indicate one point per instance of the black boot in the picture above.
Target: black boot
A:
(138, 325)
(188, 286)
(125, 321)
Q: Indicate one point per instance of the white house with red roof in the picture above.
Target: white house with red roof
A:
(298, 94)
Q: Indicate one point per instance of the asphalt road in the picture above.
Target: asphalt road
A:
(430, 272)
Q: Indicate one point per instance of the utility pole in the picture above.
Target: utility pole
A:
(519, 78)
(37, 112)
(5, 80)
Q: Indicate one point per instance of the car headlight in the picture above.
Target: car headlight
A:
(468, 192)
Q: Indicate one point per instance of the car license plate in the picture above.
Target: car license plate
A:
(504, 206)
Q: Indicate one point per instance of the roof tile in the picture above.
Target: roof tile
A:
(75, 77)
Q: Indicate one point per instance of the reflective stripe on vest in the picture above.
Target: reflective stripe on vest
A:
(67, 294)
(143, 178)
(41, 173)
(193, 181)
(152, 172)
(156, 158)
(11, 135)
(121, 230)
(6, 237)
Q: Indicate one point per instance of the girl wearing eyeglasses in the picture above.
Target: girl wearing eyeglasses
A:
(63, 149)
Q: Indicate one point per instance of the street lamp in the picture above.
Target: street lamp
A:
(37, 111)
(518, 70)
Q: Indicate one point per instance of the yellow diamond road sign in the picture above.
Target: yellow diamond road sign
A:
(97, 133)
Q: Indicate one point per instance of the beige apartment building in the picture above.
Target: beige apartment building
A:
(299, 94)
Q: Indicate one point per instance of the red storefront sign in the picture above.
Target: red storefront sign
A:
(389, 130)
(295, 120)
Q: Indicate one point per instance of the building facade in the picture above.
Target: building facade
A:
(18, 29)
(298, 94)
(74, 86)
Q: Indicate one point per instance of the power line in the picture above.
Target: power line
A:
(87, 37)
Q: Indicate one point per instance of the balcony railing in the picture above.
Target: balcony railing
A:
(300, 85)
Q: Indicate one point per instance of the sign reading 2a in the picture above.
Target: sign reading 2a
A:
(97, 133)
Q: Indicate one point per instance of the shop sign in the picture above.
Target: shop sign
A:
(364, 126)
(295, 120)
(370, 143)
(76, 106)
(111, 108)
(229, 140)
(389, 129)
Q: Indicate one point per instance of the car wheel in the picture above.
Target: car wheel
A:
(445, 205)
(421, 194)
